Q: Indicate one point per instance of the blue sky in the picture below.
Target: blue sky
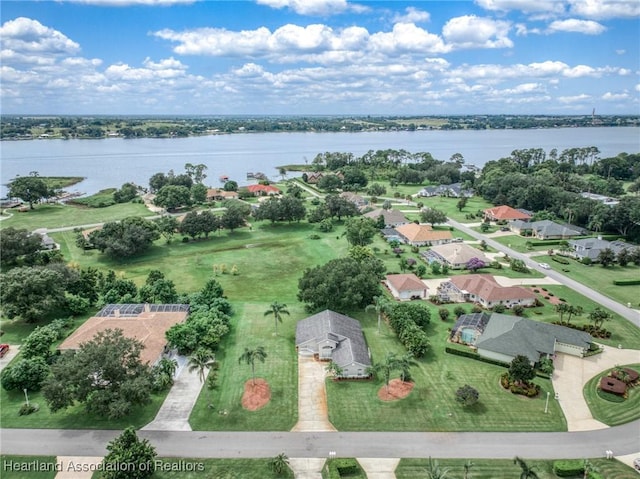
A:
(214, 57)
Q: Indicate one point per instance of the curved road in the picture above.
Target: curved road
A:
(629, 314)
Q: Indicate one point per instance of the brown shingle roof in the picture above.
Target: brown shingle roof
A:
(486, 287)
(148, 327)
(405, 282)
(505, 212)
(422, 233)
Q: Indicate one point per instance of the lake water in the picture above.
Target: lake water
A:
(112, 162)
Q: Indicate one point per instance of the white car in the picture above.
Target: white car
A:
(544, 265)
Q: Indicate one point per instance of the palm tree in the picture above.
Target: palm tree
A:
(390, 364)
(277, 309)
(249, 356)
(380, 305)
(403, 364)
(588, 469)
(333, 368)
(279, 463)
(201, 360)
(527, 471)
(467, 469)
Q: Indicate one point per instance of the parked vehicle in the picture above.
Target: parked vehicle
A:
(4, 349)
(544, 265)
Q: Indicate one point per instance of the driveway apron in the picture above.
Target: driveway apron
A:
(312, 397)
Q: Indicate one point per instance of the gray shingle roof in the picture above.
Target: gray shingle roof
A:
(512, 335)
(352, 346)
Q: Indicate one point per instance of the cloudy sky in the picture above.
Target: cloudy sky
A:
(320, 57)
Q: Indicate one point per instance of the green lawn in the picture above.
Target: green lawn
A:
(504, 468)
(280, 369)
(449, 206)
(601, 279)
(217, 468)
(519, 243)
(58, 216)
(610, 413)
(33, 467)
(354, 405)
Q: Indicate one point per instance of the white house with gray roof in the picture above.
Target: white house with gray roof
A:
(545, 229)
(332, 336)
(503, 337)
(591, 247)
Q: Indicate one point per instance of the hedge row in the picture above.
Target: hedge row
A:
(559, 259)
(626, 282)
(343, 467)
(546, 243)
(568, 468)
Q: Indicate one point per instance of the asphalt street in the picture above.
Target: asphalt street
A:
(196, 444)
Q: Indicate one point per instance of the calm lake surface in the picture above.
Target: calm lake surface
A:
(112, 162)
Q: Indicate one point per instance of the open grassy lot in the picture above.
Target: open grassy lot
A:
(36, 467)
(59, 216)
(354, 405)
(505, 468)
(601, 279)
(280, 369)
(608, 412)
(448, 205)
(519, 243)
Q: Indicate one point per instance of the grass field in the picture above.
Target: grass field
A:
(610, 413)
(217, 468)
(59, 216)
(499, 469)
(601, 279)
(250, 329)
(354, 406)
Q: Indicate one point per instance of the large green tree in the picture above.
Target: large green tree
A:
(433, 216)
(341, 284)
(129, 457)
(521, 370)
(17, 243)
(105, 374)
(360, 231)
(30, 188)
(25, 374)
(125, 238)
(173, 196)
(31, 293)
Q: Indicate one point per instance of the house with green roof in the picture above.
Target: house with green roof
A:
(502, 337)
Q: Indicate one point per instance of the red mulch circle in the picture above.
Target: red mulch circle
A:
(256, 395)
(397, 390)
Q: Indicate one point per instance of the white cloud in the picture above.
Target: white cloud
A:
(405, 38)
(526, 6)
(309, 7)
(27, 36)
(470, 31)
(615, 96)
(588, 27)
(574, 98)
(637, 87)
(601, 9)
(412, 15)
(621, 51)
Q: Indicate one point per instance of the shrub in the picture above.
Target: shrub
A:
(560, 259)
(536, 290)
(343, 467)
(314, 237)
(626, 282)
(586, 261)
(568, 468)
(27, 409)
(546, 297)
(499, 308)
(550, 294)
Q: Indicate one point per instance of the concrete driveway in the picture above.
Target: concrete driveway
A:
(12, 353)
(313, 414)
(572, 373)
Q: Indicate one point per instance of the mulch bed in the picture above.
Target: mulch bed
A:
(256, 395)
(554, 300)
(397, 390)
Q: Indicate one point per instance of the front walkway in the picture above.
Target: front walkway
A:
(80, 467)
(572, 373)
(176, 408)
(306, 467)
(313, 414)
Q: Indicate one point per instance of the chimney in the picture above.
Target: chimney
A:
(116, 313)
(147, 308)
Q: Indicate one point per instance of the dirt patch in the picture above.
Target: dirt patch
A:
(256, 395)
(397, 390)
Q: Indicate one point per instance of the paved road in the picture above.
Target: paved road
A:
(54, 442)
(629, 314)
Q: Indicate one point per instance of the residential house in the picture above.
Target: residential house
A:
(591, 247)
(502, 337)
(354, 198)
(454, 190)
(216, 194)
(392, 218)
(484, 290)
(47, 242)
(405, 287)
(423, 234)
(506, 213)
(545, 229)
(147, 323)
(454, 255)
(262, 190)
(332, 336)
